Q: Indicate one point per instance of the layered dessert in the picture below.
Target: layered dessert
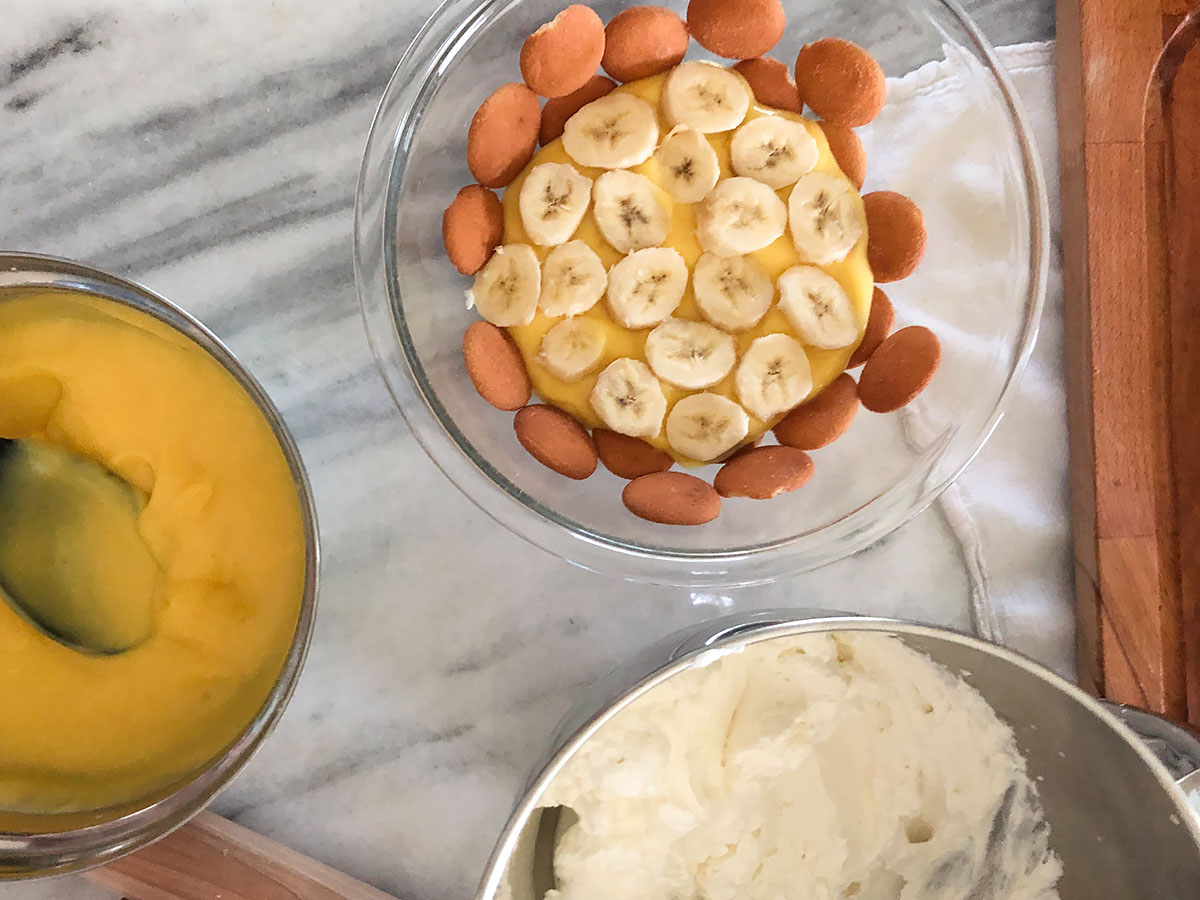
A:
(686, 263)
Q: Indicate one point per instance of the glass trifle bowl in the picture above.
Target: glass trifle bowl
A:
(980, 290)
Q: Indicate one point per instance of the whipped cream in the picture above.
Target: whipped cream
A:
(822, 767)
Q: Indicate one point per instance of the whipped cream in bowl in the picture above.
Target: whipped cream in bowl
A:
(846, 758)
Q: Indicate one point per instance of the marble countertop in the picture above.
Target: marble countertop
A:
(210, 150)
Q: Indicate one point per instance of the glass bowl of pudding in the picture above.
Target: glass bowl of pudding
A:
(877, 475)
(158, 566)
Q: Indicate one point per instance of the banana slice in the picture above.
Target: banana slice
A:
(689, 354)
(573, 348)
(817, 307)
(703, 426)
(739, 216)
(506, 290)
(688, 164)
(825, 217)
(573, 279)
(552, 202)
(629, 399)
(617, 131)
(646, 286)
(733, 292)
(628, 211)
(706, 97)
(774, 376)
(773, 150)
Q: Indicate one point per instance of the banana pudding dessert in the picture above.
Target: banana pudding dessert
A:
(686, 263)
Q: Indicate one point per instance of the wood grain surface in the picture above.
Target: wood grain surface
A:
(1129, 110)
(211, 858)
(1180, 96)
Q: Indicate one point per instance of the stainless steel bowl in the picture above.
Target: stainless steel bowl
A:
(1118, 820)
(31, 845)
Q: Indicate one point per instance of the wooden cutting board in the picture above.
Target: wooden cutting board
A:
(211, 858)
(1129, 122)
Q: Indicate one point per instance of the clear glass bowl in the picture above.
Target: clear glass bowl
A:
(37, 845)
(873, 479)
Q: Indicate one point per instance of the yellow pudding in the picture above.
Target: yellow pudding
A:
(852, 272)
(222, 520)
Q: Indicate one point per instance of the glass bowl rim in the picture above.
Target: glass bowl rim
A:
(384, 162)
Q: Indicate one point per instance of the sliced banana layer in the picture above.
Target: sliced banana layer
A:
(818, 307)
(573, 348)
(773, 150)
(774, 376)
(629, 211)
(506, 289)
(552, 202)
(706, 97)
(689, 354)
(739, 216)
(703, 426)
(573, 279)
(614, 132)
(646, 286)
(629, 399)
(732, 292)
(689, 164)
(825, 218)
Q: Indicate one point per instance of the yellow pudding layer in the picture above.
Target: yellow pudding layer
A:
(853, 273)
(222, 520)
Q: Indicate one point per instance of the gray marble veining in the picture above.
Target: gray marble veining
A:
(210, 150)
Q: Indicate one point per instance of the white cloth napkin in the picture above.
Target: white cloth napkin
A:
(1009, 508)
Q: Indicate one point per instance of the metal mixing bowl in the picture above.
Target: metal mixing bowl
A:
(36, 845)
(1118, 820)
